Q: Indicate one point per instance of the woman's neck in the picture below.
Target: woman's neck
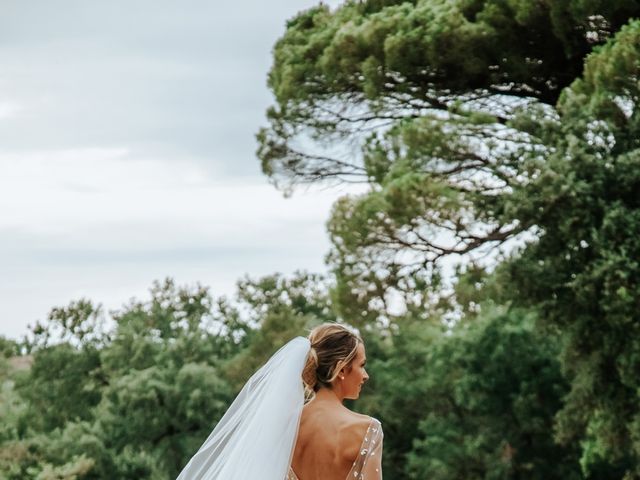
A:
(329, 395)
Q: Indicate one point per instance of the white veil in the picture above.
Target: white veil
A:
(255, 437)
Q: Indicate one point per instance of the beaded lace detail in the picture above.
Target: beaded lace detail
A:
(368, 465)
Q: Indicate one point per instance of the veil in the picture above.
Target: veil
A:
(256, 435)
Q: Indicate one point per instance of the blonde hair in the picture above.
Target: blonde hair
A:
(333, 347)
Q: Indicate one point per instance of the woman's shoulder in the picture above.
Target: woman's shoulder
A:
(352, 435)
(356, 431)
(369, 426)
(361, 421)
(346, 426)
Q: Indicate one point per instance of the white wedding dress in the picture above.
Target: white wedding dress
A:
(255, 438)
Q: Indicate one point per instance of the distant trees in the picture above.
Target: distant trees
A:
(135, 396)
(476, 401)
(131, 401)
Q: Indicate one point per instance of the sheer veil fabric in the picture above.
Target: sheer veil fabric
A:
(255, 437)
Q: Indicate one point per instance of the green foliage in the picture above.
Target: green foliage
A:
(436, 390)
(476, 402)
(138, 399)
(338, 75)
(63, 385)
(435, 43)
(132, 402)
(583, 273)
(8, 347)
(494, 136)
(490, 393)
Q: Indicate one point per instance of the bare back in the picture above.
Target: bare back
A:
(328, 442)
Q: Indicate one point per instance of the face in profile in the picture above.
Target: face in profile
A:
(355, 378)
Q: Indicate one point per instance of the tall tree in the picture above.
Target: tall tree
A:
(478, 125)
(583, 273)
(431, 103)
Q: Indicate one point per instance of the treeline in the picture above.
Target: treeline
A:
(492, 265)
(136, 400)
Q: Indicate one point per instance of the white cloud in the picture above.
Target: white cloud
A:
(103, 223)
(8, 109)
(79, 191)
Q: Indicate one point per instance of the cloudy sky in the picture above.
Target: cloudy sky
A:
(127, 152)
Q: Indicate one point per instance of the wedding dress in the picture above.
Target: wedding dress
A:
(255, 438)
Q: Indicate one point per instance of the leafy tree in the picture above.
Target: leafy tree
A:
(489, 394)
(133, 401)
(64, 381)
(476, 400)
(431, 103)
(583, 272)
(480, 126)
(8, 347)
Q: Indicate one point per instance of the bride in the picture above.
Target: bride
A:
(288, 421)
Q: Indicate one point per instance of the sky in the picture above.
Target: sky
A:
(127, 153)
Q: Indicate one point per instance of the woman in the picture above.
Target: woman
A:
(333, 442)
(268, 433)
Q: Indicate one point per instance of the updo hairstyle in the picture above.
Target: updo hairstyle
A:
(333, 347)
